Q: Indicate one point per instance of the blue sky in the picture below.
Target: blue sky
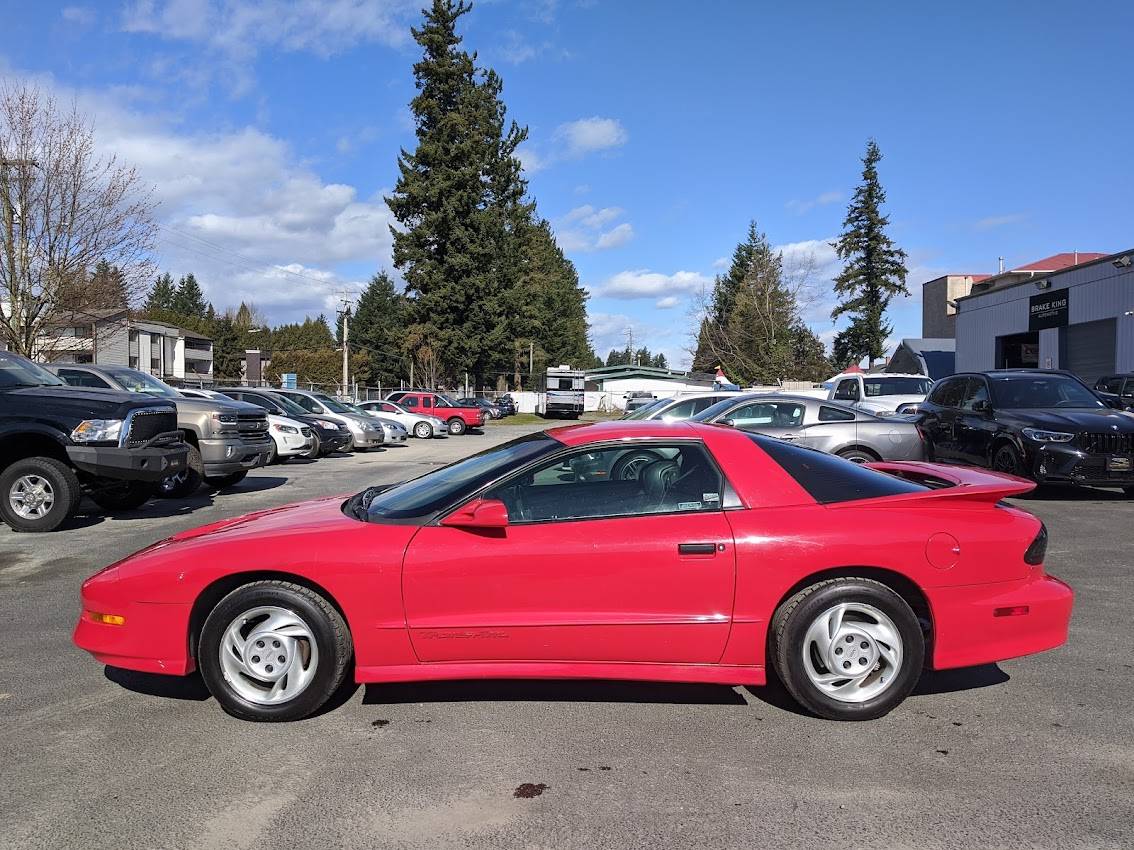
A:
(270, 130)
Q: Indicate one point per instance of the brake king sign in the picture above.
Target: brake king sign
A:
(1047, 310)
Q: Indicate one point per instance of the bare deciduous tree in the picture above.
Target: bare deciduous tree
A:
(64, 208)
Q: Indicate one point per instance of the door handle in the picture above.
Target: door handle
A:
(696, 548)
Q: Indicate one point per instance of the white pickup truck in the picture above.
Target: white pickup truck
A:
(880, 392)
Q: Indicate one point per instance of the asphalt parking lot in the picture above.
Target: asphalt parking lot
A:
(1037, 752)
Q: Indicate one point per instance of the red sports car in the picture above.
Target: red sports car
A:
(626, 550)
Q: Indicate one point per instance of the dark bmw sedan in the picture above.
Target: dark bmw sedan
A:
(1047, 426)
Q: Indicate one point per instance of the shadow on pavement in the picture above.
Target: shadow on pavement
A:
(963, 679)
(559, 690)
(1072, 494)
(154, 685)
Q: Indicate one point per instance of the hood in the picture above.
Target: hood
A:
(83, 402)
(1102, 420)
(299, 518)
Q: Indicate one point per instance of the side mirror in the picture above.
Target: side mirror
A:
(982, 406)
(731, 423)
(479, 513)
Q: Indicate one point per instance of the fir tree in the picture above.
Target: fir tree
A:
(189, 302)
(874, 271)
(227, 350)
(376, 329)
(162, 295)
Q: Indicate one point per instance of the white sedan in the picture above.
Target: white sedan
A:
(418, 424)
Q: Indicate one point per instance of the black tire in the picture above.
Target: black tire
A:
(1007, 459)
(316, 446)
(857, 454)
(332, 640)
(423, 430)
(185, 483)
(273, 454)
(797, 614)
(125, 497)
(457, 426)
(223, 482)
(57, 480)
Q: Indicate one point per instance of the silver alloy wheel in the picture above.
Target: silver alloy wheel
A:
(423, 430)
(31, 497)
(269, 655)
(852, 652)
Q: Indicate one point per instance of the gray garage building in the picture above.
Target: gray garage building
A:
(1080, 319)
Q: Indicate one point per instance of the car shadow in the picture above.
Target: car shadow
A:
(190, 687)
(550, 690)
(257, 484)
(961, 679)
(1072, 494)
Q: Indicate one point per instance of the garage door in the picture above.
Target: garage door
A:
(1088, 349)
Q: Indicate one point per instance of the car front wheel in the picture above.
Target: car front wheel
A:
(848, 648)
(423, 430)
(1007, 459)
(273, 651)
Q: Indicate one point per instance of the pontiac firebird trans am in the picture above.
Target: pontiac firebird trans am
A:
(626, 550)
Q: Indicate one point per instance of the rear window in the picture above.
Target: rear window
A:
(829, 478)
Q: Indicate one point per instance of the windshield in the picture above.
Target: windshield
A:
(332, 405)
(288, 405)
(442, 400)
(1019, 392)
(140, 382)
(442, 487)
(643, 412)
(16, 371)
(886, 385)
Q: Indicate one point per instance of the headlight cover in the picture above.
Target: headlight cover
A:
(1041, 436)
(97, 431)
(330, 426)
(285, 429)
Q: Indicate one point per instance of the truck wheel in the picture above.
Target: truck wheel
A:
(186, 482)
(223, 482)
(38, 494)
(423, 430)
(124, 497)
(456, 426)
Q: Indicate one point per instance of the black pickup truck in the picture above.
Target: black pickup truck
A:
(59, 443)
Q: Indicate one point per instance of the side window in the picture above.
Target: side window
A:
(619, 481)
(256, 400)
(834, 414)
(682, 410)
(426, 401)
(975, 390)
(847, 390)
(409, 402)
(948, 393)
(386, 407)
(1109, 385)
(1128, 388)
(77, 378)
(703, 403)
(772, 414)
(308, 404)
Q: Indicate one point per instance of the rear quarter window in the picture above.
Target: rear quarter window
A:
(829, 479)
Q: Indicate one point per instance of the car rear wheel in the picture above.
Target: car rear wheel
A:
(857, 454)
(124, 497)
(1007, 459)
(423, 430)
(187, 481)
(456, 426)
(273, 651)
(38, 494)
(847, 648)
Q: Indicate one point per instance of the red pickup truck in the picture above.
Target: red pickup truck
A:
(456, 416)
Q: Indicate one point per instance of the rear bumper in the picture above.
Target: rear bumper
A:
(141, 464)
(972, 624)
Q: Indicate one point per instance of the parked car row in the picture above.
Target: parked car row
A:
(122, 437)
(1044, 425)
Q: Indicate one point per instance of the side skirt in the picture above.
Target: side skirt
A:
(718, 674)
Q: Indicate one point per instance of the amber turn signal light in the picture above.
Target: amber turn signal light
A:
(106, 619)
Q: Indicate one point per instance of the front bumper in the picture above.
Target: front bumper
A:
(153, 639)
(293, 445)
(367, 439)
(140, 464)
(1064, 463)
(972, 624)
(220, 456)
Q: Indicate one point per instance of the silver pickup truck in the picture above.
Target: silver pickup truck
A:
(226, 439)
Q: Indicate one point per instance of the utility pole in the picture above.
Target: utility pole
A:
(531, 362)
(344, 297)
(630, 346)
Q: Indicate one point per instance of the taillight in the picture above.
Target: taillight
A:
(1038, 550)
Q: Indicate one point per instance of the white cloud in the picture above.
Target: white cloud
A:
(643, 283)
(721, 263)
(580, 230)
(608, 331)
(588, 216)
(240, 28)
(995, 221)
(801, 207)
(615, 238)
(80, 16)
(667, 303)
(588, 135)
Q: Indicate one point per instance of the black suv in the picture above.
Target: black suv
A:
(1116, 390)
(58, 443)
(1044, 425)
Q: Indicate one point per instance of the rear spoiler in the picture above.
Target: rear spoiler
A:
(954, 483)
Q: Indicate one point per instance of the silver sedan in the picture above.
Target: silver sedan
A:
(830, 426)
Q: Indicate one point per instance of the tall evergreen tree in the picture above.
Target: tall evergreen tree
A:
(227, 350)
(162, 295)
(376, 329)
(189, 301)
(874, 270)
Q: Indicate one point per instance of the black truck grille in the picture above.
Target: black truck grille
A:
(147, 424)
(252, 425)
(1107, 443)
